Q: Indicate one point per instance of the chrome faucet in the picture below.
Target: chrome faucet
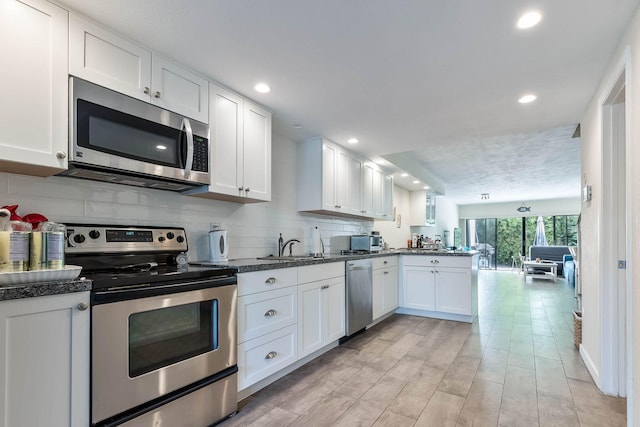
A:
(282, 245)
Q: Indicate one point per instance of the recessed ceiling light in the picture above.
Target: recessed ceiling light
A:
(416, 182)
(161, 147)
(380, 162)
(352, 140)
(529, 19)
(426, 187)
(262, 88)
(297, 126)
(404, 175)
(527, 98)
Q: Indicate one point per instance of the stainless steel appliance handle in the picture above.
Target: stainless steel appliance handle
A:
(357, 268)
(186, 125)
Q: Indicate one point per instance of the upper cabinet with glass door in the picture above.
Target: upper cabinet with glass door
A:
(423, 209)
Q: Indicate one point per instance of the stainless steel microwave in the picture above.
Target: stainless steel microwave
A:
(119, 139)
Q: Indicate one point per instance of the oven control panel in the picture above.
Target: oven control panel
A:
(84, 238)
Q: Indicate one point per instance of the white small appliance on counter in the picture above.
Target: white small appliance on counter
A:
(218, 244)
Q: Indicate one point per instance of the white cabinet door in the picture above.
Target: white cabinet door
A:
(44, 364)
(378, 196)
(453, 290)
(226, 136)
(354, 184)
(256, 164)
(378, 293)
(367, 190)
(419, 288)
(310, 318)
(387, 198)
(102, 57)
(342, 181)
(34, 103)
(179, 90)
(329, 173)
(390, 289)
(333, 309)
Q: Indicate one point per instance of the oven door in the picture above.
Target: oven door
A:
(144, 348)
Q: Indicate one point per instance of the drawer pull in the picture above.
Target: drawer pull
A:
(432, 271)
(271, 355)
(270, 280)
(386, 262)
(386, 272)
(325, 287)
(270, 313)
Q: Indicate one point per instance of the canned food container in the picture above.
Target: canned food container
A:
(14, 251)
(47, 247)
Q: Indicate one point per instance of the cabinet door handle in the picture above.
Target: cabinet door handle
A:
(325, 287)
(270, 280)
(386, 272)
(247, 189)
(271, 355)
(146, 90)
(270, 313)
(385, 262)
(157, 94)
(241, 188)
(431, 271)
(61, 155)
(82, 306)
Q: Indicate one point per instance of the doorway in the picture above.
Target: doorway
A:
(615, 243)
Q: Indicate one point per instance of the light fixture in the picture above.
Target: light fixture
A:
(484, 196)
(426, 187)
(524, 208)
(297, 126)
(161, 147)
(352, 140)
(404, 175)
(525, 99)
(529, 19)
(416, 182)
(262, 88)
(380, 162)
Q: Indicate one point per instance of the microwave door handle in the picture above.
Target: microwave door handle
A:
(186, 125)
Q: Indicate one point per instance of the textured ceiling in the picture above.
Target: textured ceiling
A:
(437, 79)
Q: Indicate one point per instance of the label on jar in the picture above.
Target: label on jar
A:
(19, 247)
(55, 246)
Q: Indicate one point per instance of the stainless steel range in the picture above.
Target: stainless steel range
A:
(163, 333)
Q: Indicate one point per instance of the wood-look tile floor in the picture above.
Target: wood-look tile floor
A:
(515, 366)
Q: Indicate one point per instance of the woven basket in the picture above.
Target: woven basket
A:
(577, 328)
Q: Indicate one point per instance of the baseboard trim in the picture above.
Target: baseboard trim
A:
(436, 314)
(591, 367)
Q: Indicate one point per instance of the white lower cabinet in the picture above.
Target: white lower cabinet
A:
(440, 285)
(385, 286)
(322, 314)
(44, 362)
(266, 355)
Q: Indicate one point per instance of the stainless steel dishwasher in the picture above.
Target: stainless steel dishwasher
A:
(359, 295)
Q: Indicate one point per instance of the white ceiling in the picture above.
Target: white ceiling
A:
(431, 84)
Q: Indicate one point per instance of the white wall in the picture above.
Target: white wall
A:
(396, 236)
(253, 228)
(565, 206)
(592, 219)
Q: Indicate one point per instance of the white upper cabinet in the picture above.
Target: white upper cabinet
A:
(34, 87)
(334, 180)
(102, 57)
(387, 197)
(240, 142)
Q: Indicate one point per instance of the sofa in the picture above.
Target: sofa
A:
(550, 253)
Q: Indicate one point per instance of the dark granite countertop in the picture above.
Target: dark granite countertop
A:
(246, 265)
(30, 290)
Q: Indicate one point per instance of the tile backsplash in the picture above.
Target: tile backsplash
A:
(253, 229)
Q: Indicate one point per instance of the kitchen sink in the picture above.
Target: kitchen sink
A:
(288, 258)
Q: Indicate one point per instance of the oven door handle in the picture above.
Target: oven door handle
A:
(144, 291)
(186, 125)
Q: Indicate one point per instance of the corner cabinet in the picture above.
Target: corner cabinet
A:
(444, 287)
(107, 59)
(44, 364)
(34, 87)
(240, 150)
(333, 180)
